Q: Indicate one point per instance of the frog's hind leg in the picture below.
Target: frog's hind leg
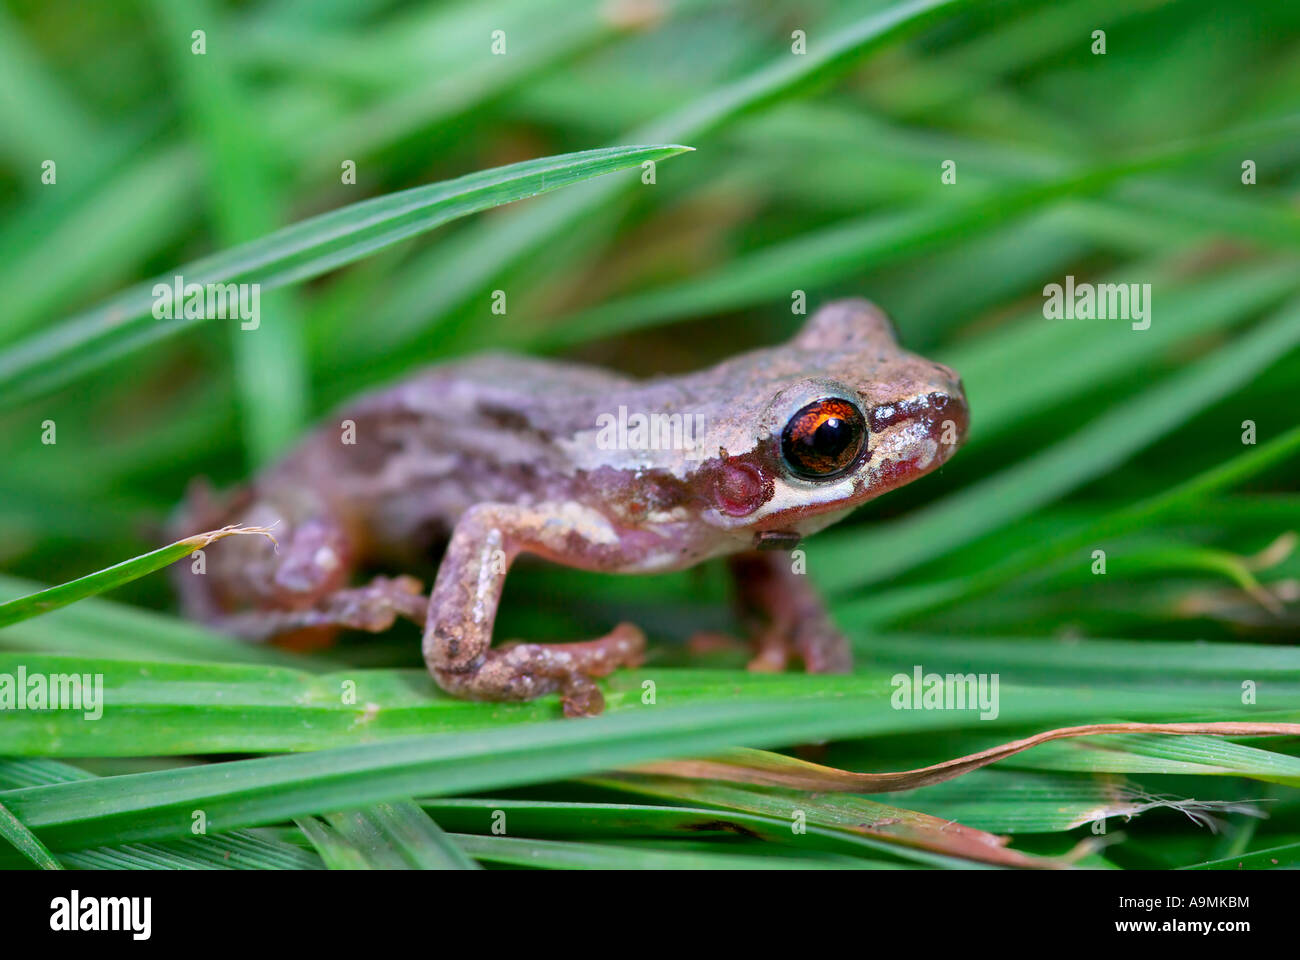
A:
(787, 617)
(463, 606)
(296, 592)
(373, 608)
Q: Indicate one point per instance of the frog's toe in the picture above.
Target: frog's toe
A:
(522, 671)
(773, 649)
(823, 648)
(814, 642)
(580, 697)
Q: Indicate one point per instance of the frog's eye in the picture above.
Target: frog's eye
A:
(823, 440)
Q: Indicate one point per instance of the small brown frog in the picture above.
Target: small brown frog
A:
(499, 455)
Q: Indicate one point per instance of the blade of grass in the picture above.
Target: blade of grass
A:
(900, 603)
(41, 120)
(95, 627)
(245, 203)
(829, 254)
(1101, 663)
(626, 821)
(334, 850)
(1182, 755)
(31, 772)
(853, 815)
(1285, 856)
(22, 840)
(158, 805)
(567, 855)
(556, 32)
(763, 768)
(52, 598)
(1017, 373)
(441, 284)
(304, 250)
(237, 849)
(398, 835)
(855, 559)
(53, 252)
(47, 261)
(1016, 802)
(172, 709)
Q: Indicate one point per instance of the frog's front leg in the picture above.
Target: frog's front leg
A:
(786, 615)
(463, 607)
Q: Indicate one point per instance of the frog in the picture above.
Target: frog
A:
(496, 456)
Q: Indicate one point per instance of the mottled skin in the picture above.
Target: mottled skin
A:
(499, 456)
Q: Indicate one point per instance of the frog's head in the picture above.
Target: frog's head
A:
(851, 415)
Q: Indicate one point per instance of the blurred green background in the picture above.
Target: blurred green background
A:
(831, 186)
(818, 172)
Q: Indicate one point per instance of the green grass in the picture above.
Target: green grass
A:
(817, 172)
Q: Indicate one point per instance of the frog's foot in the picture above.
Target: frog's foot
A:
(773, 648)
(814, 641)
(373, 608)
(522, 671)
(792, 622)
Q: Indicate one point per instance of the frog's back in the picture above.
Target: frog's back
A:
(498, 389)
(405, 461)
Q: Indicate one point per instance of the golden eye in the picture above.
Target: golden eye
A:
(823, 440)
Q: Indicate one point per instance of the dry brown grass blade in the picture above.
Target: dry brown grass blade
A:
(867, 818)
(776, 770)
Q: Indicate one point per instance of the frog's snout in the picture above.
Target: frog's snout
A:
(949, 420)
(945, 411)
(925, 429)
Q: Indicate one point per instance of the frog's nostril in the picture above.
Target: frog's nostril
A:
(949, 423)
(924, 407)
